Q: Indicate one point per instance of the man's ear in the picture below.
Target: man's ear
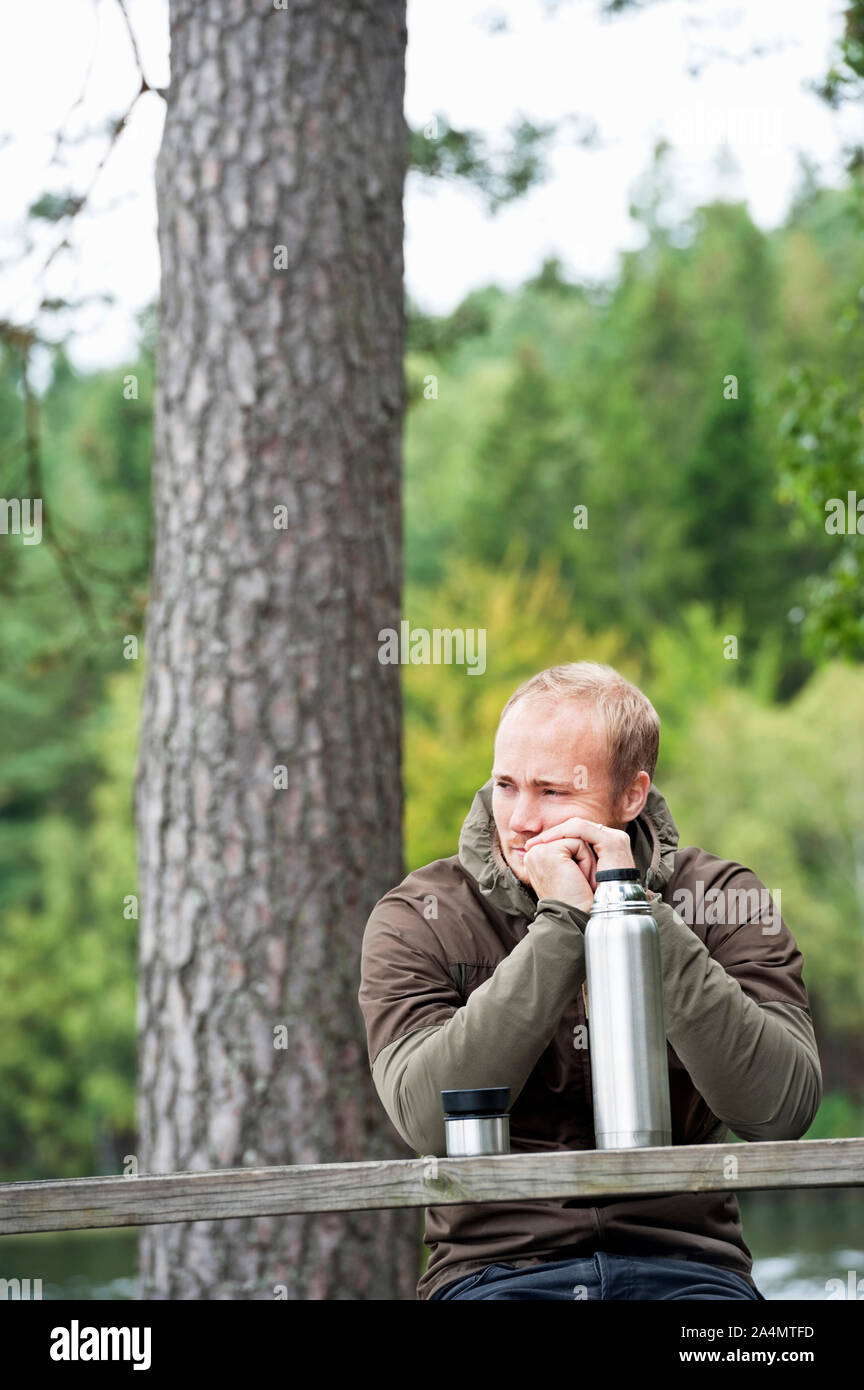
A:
(634, 797)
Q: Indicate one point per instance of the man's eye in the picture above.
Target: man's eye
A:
(549, 792)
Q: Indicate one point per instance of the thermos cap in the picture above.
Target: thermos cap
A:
(609, 875)
(484, 1100)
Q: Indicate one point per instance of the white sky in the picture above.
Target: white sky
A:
(630, 76)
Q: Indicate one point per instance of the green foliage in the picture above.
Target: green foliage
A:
(67, 737)
(779, 788)
(844, 81)
(68, 971)
(821, 436)
(656, 403)
(56, 648)
(822, 429)
(439, 151)
(839, 1117)
(440, 336)
(53, 207)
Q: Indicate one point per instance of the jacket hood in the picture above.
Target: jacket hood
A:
(653, 834)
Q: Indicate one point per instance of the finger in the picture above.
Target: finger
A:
(577, 849)
(571, 843)
(573, 826)
(588, 865)
(608, 842)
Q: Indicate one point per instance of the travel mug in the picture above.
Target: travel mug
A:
(476, 1122)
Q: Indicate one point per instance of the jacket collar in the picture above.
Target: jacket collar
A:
(653, 834)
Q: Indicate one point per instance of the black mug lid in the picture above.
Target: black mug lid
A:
(609, 875)
(483, 1100)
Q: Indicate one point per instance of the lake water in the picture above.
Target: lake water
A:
(800, 1242)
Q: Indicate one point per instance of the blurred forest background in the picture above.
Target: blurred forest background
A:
(706, 519)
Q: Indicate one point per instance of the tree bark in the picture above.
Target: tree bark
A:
(280, 385)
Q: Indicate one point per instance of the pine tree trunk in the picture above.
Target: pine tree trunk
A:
(277, 561)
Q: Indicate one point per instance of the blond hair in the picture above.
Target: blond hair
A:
(631, 721)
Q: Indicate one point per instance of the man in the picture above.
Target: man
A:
(473, 974)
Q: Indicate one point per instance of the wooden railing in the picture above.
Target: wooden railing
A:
(148, 1199)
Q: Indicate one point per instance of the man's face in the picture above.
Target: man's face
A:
(550, 764)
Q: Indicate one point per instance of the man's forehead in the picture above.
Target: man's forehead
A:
(543, 740)
(552, 720)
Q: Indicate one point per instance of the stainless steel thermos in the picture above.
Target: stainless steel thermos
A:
(476, 1122)
(626, 1029)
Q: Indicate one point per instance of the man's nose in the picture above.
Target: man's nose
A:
(526, 819)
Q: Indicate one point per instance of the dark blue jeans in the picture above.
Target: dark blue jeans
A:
(604, 1276)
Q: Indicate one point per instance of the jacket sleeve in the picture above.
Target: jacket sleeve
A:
(738, 1018)
(423, 1039)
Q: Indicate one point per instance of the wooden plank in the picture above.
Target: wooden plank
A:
(85, 1203)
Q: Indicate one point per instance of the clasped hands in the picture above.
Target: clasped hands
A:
(563, 861)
